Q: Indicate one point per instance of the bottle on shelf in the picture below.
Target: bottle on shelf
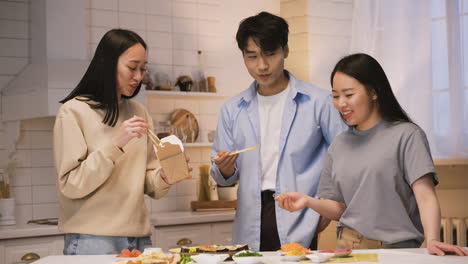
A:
(199, 74)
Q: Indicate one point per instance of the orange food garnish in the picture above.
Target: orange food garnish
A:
(135, 253)
(125, 253)
(293, 246)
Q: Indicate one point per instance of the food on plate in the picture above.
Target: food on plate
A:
(153, 258)
(293, 246)
(338, 252)
(295, 252)
(184, 259)
(210, 249)
(126, 253)
(248, 254)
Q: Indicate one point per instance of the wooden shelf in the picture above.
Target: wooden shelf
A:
(177, 94)
(198, 145)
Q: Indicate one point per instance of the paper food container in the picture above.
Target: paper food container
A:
(172, 158)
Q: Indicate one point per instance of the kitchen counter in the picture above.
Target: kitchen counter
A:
(387, 256)
(27, 230)
(161, 219)
(189, 217)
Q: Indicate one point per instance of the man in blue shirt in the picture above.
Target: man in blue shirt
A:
(293, 122)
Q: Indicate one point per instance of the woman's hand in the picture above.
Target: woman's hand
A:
(131, 128)
(226, 163)
(292, 201)
(438, 248)
(166, 180)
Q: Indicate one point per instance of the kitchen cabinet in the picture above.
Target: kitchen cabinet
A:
(12, 250)
(167, 237)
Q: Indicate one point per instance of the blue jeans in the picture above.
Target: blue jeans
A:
(81, 244)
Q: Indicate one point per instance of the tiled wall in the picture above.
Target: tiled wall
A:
(320, 30)
(13, 39)
(174, 30)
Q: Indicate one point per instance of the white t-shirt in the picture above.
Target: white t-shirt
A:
(270, 111)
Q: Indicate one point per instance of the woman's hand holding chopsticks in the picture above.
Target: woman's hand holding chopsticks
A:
(131, 128)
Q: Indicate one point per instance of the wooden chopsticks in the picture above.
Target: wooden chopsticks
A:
(156, 141)
(238, 151)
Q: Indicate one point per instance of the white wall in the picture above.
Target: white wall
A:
(174, 30)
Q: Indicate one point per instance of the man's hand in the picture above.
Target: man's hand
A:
(226, 163)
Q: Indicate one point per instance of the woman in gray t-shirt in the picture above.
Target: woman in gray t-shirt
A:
(379, 177)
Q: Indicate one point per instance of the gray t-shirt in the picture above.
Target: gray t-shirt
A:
(372, 172)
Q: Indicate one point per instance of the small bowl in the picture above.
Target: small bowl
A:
(210, 258)
(320, 257)
(338, 252)
(292, 258)
(247, 260)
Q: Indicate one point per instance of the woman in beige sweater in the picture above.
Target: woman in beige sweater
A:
(104, 160)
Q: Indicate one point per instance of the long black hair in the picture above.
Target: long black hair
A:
(369, 73)
(98, 87)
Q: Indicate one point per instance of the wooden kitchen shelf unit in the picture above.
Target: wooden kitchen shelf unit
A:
(178, 94)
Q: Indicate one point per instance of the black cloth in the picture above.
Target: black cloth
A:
(269, 238)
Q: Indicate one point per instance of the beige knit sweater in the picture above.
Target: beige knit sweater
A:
(101, 188)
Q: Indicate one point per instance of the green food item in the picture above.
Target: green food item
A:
(193, 250)
(184, 259)
(249, 254)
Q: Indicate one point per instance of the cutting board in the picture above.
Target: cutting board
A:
(186, 124)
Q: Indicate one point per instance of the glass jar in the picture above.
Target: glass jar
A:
(163, 129)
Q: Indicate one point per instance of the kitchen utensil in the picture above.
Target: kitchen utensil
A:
(238, 151)
(186, 125)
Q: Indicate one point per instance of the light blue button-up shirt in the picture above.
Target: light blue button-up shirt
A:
(309, 124)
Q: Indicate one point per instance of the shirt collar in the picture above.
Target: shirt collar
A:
(294, 86)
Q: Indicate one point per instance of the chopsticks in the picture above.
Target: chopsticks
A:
(156, 141)
(238, 151)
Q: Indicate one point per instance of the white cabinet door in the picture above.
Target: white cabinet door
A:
(12, 250)
(169, 236)
(221, 233)
(13, 254)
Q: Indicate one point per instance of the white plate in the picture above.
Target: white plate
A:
(209, 258)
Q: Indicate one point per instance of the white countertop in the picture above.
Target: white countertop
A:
(160, 219)
(387, 256)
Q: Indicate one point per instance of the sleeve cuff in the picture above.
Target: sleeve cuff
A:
(218, 176)
(112, 152)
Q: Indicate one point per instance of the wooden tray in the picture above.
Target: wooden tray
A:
(213, 205)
